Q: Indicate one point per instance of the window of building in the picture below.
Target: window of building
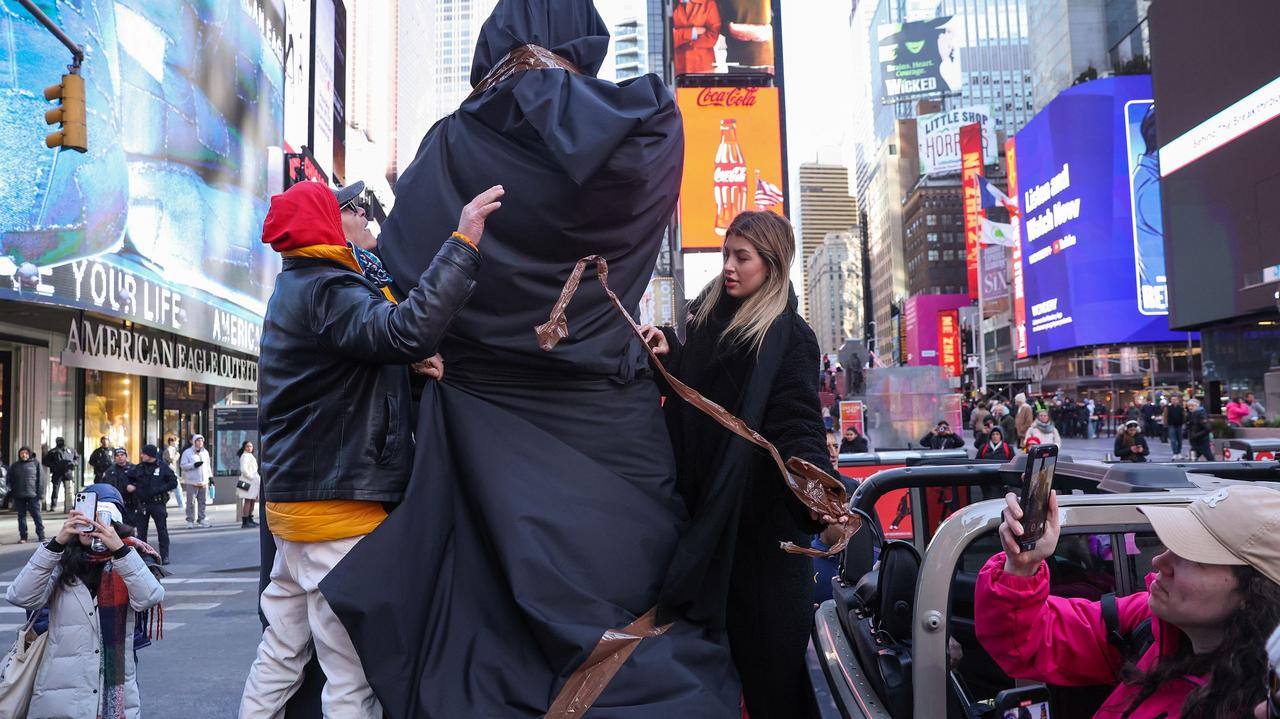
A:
(948, 254)
(931, 220)
(111, 410)
(933, 237)
(933, 255)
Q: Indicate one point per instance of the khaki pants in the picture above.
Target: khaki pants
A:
(300, 618)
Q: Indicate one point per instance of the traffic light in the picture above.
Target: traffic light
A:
(69, 113)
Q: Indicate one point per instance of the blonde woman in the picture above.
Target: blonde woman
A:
(749, 350)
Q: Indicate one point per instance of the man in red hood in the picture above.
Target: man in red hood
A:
(334, 419)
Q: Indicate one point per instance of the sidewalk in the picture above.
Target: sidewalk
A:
(1098, 449)
(222, 515)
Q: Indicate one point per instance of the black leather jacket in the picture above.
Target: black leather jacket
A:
(333, 381)
(153, 481)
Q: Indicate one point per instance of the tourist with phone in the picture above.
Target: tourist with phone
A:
(1131, 444)
(1212, 600)
(94, 596)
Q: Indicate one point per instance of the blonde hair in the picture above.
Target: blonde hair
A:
(773, 239)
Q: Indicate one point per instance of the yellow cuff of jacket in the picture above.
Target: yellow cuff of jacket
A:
(323, 520)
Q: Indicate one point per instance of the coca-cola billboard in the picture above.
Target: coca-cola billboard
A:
(732, 161)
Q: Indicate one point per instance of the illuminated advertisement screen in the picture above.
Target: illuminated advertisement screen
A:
(720, 36)
(732, 159)
(1219, 108)
(160, 222)
(1092, 252)
(921, 57)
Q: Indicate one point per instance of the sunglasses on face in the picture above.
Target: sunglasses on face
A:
(353, 203)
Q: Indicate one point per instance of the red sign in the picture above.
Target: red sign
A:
(970, 171)
(1019, 296)
(851, 416)
(949, 342)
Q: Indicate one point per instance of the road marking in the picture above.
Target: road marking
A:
(208, 580)
(11, 610)
(202, 592)
(192, 606)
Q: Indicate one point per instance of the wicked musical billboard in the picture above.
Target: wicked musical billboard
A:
(921, 57)
(160, 221)
(732, 160)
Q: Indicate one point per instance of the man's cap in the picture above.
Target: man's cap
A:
(121, 451)
(150, 450)
(1236, 525)
(349, 193)
(198, 436)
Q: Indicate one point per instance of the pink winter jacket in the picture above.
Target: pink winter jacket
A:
(1034, 636)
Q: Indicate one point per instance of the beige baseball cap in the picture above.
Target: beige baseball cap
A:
(1238, 524)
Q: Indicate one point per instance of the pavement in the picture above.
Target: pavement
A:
(210, 610)
(1099, 449)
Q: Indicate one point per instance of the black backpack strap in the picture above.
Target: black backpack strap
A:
(1111, 620)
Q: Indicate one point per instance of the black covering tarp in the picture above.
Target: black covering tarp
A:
(542, 511)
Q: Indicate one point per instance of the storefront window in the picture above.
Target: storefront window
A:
(62, 409)
(111, 410)
(186, 411)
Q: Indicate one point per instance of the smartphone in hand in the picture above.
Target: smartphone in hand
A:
(1037, 484)
(1024, 702)
(87, 504)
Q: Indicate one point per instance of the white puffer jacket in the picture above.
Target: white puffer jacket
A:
(69, 680)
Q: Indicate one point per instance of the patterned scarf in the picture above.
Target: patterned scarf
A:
(113, 613)
(371, 266)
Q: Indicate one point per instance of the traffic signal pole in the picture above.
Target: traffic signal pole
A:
(77, 54)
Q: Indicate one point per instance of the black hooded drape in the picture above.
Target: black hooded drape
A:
(542, 511)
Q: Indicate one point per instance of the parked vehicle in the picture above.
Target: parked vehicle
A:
(899, 632)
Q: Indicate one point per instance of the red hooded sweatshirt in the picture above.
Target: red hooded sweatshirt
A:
(304, 215)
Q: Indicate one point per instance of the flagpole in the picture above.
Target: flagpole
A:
(982, 335)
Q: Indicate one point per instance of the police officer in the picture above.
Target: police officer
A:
(118, 476)
(151, 481)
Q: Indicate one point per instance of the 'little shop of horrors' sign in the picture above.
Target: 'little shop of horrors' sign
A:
(92, 344)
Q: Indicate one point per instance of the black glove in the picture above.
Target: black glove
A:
(199, 464)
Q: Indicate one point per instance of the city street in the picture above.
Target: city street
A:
(210, 610)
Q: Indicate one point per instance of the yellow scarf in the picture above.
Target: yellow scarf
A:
(342, 255)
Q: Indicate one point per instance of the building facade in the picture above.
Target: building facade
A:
(825, 207)
(995, 58)
(834, 289)
(1067, 38)
(934, 238)
(630, 49)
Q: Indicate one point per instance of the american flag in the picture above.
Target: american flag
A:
(767, 194)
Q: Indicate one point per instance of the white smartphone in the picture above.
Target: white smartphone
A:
(87, 504)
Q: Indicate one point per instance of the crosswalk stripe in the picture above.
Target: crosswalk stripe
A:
(11, 610)
(193, 606)
(202, 592)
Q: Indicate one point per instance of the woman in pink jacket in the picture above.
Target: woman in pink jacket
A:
(1237, 411)
(1213, 600)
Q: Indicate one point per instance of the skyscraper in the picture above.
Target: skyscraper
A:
(630, 56)
(834, 288)
(415, 65)
(1068, 37)
(825, 207)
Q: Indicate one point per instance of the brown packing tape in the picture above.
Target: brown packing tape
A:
(522, 59)
(819, 492)
(588, 681)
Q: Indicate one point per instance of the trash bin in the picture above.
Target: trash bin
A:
(1246, 450)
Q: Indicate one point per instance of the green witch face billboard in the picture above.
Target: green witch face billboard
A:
(920, 57)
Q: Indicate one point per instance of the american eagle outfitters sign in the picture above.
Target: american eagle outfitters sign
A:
(96, 345)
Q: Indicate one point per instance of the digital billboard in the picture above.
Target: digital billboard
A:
(732, 159)
(720, 36)
(921, 57)
(1219, 110)
(938, 137)
(1092, 263)
(160, 222)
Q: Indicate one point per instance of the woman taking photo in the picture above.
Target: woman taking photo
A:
(1212, 600)
(93, 595)
(749, 351)
(247, 485)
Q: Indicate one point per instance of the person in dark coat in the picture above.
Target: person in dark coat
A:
(26, 488)
(1199, 434)
(853, 442)
(942, 438)
(995, 447)
(61, 463)
(520, 580)
(100, 460)
(149, 484)
(749, 351)
(119, 476)
(1131, 445)
(982, 433)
